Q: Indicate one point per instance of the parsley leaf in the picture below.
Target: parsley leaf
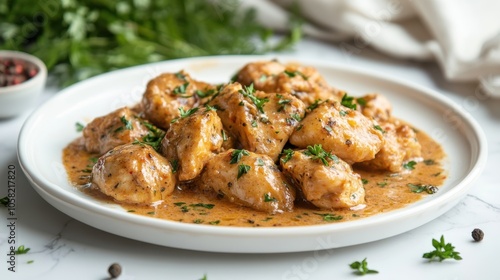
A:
(418, 188)
(292, 74)
(269, 198)
(288, 153)
(347, 101)
(243, 169)
(328, 217)
(79, 127)
(237, 154)
(362, 267)
(443, 251)
(22, 250)
(248, 92)
(317, 152)
(410, 165)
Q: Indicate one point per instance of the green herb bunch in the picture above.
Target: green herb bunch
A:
(80, 39)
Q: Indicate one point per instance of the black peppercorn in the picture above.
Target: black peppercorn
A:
(115, 270)
(477, 234)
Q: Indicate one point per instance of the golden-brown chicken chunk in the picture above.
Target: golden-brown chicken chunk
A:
(261, 122)
(327, 182)
(375, 106)
(400, 145)
(391, 155)
(167, 93)
(133, 173)
(248, 179)
(303, 82)
(407, 139)
(192, 140)
(345, 132)
(119, 127)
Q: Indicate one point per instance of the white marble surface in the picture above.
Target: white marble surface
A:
(64, 248)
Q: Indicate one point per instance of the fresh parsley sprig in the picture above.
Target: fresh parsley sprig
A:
(362, 267)
(236, 155)
(348, 101)
(248, 92)
(317, 152)
(80, 39)
(442, 251)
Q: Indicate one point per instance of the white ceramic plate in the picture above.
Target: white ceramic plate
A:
(49, 129)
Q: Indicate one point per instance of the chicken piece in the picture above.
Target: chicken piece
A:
(345, 132)
(191, 142)
(166, 94)
(248, 179)
(375, 106)
(407, 139)
(329, 184)
(391, 155)
(400, 145)
(119, 127)
(261, 122)
(303, 82)
(133, 173)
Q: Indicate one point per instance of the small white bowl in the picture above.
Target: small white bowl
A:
(16, 99)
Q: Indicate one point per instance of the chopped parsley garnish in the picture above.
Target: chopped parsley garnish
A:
(22, 250)
(181, 76)
(377, 127)
(260, 162)
(127, 124)
(269, 198)
(207, 93)
(343, 113)
(210, 108)
(429, 162)
(288, 153)
(410, 165)
(292, 74)
(243, 169)
(364, 181)
(347, 101)
(79, 127)
(4, 201)
(224, 135)
(418, 188)
(362, 267)
(216, 222)
(248, 92)
(198, 221)
(317, 152)
(203, 205)
(283, 103)
(315, 105)
(180, 90)
(175, 165)
(361, 101)
(237, 154)
(263, 78)
(153, 138)
(382, 184)
(296, 117)
(184, 113)
(443, 251)
(254, 123)
(328, 217)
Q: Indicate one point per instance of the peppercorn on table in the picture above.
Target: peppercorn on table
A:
(40, 242)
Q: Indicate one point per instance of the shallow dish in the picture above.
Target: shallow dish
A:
(50, 128)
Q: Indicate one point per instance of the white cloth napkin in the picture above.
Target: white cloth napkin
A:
(463, 36)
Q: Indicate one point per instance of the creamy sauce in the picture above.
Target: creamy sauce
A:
(384, 192)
